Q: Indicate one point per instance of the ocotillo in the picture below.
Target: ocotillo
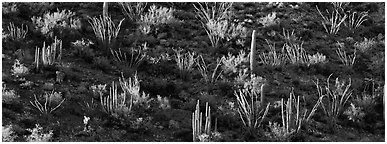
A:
(252, 52)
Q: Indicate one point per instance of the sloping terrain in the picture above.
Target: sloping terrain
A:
(166, 56)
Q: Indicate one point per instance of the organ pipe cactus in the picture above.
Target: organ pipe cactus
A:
(252, 52)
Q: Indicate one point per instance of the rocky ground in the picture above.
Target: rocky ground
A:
(80, 69)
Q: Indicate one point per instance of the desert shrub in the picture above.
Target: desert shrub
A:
(82, 49)
(4, 35)
(164, 57)
(216, 30)
(8, 135)
(141, 123)
(354, 113)
(225, 30)
(241, 78)
(9, 7)
(254, 84)
(228, 108)
(368, 102)
(377, 63)
(231, 63)
(158, 15)
(56, 23)
(365, 101)
(269, 20)
(19, 70)
(131, 86)
(82, 43)
(216, 20)
(98, 89)
(212, 137)
(365, 45)
(8, 96)
(316, 58)
(155, 17)
(38, 135)
(142, 101)
(144, 29)
(236, 32)
(163, 102)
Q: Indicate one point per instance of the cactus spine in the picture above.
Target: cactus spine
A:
(252, 52)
